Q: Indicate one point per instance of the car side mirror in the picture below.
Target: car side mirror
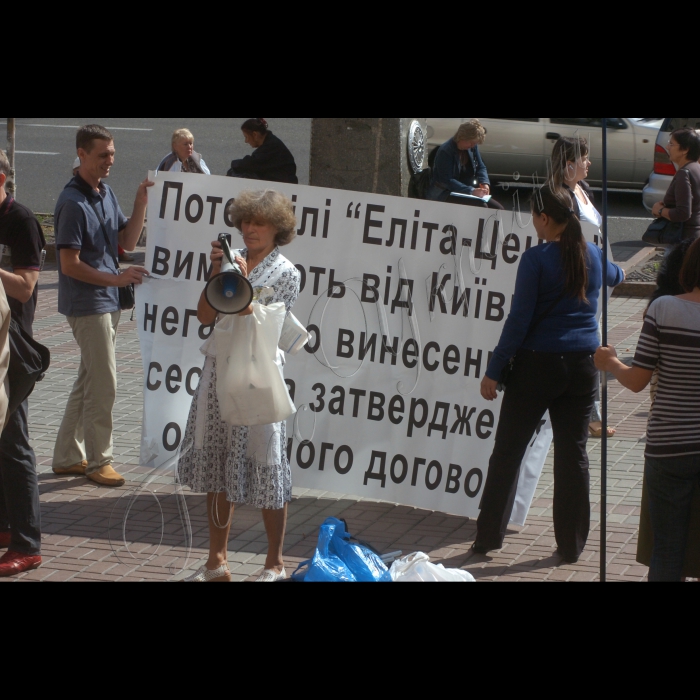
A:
(616, 123)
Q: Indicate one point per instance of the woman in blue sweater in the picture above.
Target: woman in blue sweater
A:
(552, 334)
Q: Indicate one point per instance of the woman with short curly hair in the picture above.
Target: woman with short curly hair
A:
(236, 464)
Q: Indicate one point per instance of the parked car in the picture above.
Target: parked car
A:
(517, 148)
(664, 169)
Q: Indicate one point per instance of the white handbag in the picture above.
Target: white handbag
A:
(250, 382)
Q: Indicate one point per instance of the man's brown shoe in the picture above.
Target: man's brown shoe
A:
(106, 476)
(77, 469)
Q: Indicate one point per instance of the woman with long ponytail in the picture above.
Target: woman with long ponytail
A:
(570, 165)
(548, 343)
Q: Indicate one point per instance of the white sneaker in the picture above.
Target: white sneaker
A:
(270, 576)
(222, 574)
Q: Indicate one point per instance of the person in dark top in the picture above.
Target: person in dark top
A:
(459, 173)
(682, 201)
(552, 333)
(669, 341)
(271, 160)
(20, 517)
(668, 284)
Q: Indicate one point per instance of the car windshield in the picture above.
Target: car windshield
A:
(673, 123)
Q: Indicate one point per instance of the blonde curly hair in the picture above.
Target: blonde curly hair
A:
(270, 206)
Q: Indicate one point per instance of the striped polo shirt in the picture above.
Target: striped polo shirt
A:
(671, 340)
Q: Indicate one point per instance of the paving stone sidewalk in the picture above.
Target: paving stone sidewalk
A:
(85, 538)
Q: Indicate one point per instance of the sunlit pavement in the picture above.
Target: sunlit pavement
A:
(85, 538)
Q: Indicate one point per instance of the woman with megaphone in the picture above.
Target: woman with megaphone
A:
(242, 464)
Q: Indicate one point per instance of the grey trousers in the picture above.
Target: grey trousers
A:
(86, 429)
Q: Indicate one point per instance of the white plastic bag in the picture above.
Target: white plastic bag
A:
(294, 335)
(416, 568)
(250, 381)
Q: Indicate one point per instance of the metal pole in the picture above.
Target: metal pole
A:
(11, 185)
(604, 375)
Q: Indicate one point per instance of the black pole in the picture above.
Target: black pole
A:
(604, 375)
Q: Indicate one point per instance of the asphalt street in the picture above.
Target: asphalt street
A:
(46, 151)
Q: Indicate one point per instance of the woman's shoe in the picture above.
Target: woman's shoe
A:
(567, 560)
(598, 432)
(220, 575)
(270, 576)
(481, 549)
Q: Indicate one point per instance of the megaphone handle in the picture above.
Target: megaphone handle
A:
(225, 247)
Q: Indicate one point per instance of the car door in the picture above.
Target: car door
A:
(514, 148)
(621, 146)
(441, 129)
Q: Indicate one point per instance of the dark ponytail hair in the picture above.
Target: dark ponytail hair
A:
(574, 250)
(257, 125)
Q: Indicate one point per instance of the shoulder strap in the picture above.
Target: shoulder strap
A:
(104, 233)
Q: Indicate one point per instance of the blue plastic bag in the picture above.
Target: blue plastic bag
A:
(339, 560)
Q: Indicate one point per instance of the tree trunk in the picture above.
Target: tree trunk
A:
(366, 154)
(11, 184)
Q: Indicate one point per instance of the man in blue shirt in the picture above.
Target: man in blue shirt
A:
(89, 227)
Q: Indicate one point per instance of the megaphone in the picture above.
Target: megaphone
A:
(229, 292)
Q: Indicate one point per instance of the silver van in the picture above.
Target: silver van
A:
(516, 148)
(664, 169)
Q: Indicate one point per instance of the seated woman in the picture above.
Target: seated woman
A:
(243, 465)
(271, 159)
(459, 169)
(183, 158)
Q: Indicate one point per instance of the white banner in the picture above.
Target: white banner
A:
(405, 300)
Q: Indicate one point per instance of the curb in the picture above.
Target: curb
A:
(639, 259)
(50, 252)
(640, 290)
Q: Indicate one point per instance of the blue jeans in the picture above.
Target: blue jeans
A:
(670, 482)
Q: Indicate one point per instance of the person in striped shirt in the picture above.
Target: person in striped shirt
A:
(670, 340)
